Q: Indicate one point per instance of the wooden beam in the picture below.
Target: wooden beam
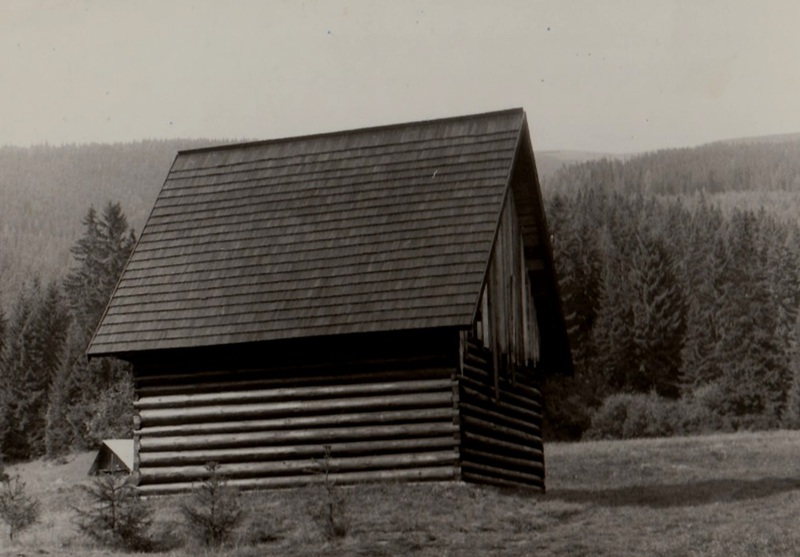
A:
(427, 473)
(410, 415)
(502, 445)
(284, 452)
(296, 437)
(298, 393)
(170, 416)
(484, 425)
(305, 467)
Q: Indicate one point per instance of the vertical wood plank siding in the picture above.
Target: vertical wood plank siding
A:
(513, 335)
(500, 430)
(272, 430)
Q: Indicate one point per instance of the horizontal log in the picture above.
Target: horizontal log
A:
(501, 461)
(255, 454)
(501, 473)
(397, 416)
(477, 371)
(504, 407)
(168, 416)
(471, 423)
(535, 451)
(520, 376)
(525, 409)
(474, 477)
(298, 437)
(229, 381)
(478, 349)
(505, 395)
(422, 474)
(482, 360)
(514, 387)
(532, 426)
(292, 393)
(150, 475)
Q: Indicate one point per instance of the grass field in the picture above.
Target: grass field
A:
(725, 495)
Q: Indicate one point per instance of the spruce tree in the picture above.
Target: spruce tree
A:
(100, 256)
(569, 401)
(705, 262)
(31, 358)
(658, 318)
(751, 380)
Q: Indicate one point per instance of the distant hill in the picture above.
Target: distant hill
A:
(550, 162)
(46, 191)
(775, 138)
(763, 164)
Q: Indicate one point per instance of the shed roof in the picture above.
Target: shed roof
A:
(122, 449)
(368, 230)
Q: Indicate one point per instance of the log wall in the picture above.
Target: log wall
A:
(445, 412)
(271, 427)
(500, 416)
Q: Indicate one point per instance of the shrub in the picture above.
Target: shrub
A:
(213, 511)
(116, 516)
(628, 416)
(17, 509)
(701, 412)
(111, 415)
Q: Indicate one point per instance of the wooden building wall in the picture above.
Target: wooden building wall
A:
(439, 412)
(507, 322)
(500, 418)
(381, 416)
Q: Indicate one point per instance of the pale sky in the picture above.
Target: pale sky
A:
(614, 76)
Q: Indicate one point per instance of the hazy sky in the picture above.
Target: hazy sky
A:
(614, 76)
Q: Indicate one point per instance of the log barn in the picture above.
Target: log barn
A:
(378, 302)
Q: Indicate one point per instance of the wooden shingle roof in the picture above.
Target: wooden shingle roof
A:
(369, 230)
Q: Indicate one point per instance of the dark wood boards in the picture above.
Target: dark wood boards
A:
(500, 423)
(251, 242)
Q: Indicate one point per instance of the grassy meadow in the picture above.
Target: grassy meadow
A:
(727, 495)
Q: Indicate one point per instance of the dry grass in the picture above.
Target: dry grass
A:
(725, 495)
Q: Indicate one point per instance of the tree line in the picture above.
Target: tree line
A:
(46, 190)
(682, 318)
(52, 399)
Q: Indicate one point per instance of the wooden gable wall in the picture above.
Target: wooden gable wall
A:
(506, 322)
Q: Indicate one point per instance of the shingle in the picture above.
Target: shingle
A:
(368, 230)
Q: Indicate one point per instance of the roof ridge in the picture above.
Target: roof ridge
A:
(384, 127)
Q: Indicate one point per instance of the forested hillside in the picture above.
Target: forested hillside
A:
(46, 190)
(678, 270)
(682, 306)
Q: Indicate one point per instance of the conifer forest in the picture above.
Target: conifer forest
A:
(678, 270)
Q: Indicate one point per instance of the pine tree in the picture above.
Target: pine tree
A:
(32, 356)
(100, 256)
(568, 401)
(612, 335)
(705, 263)
(751, 380)
(658, 318)
(784, 287)
(791, 414)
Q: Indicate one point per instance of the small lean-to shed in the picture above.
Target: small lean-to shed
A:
(385, 295)
(115, 456)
